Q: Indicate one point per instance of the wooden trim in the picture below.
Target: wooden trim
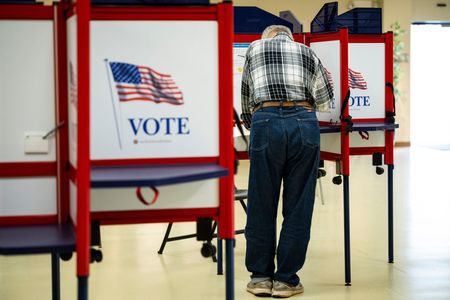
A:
(402, 144)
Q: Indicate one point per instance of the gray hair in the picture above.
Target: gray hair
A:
(274, 29)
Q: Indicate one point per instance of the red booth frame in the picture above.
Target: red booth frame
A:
(80, 174)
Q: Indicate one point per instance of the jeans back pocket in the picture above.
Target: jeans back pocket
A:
(310, 132)
(259, 135)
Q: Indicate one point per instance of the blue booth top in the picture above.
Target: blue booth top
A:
(360, 20)
(253, 20)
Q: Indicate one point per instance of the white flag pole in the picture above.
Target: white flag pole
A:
(115, 103)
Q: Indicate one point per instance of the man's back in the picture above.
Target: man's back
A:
(279, 69)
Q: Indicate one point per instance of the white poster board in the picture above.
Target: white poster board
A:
(200, 194)
(28, 196)
(366, 62)
(72, 87)
(154, 89)
(27, 88)
(239, 51)
(329, 54)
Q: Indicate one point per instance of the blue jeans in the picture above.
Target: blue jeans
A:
(284, 147)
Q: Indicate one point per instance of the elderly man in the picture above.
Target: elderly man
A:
(283, 84)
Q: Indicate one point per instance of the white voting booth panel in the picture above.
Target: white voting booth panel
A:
(367, 97)
(27, 197)
(332, 141)
(143, 128)
(202, 194)
(27, 110)
(367, 92)
(72, 87)
(239, 51)
(329, 54)
(73, 204)
(27, 93)
(131, 124)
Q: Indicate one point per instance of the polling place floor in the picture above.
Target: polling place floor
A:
(132, 269)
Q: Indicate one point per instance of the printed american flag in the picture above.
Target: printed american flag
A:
(330, 79)
(143, 83)
(356, 80)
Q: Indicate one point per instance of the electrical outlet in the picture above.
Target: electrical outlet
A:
(35, 144)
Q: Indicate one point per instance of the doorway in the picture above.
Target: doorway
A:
(430, 85)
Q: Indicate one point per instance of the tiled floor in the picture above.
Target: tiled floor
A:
(132, 269)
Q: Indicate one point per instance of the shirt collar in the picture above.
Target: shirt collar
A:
(282, 36)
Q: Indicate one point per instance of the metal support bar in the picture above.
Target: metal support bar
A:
(347, 230)
(229, 271)
(166, 236)
(82, 287)
(219, 256)
(56, 290)
(391, 213)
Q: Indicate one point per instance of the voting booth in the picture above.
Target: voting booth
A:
(33, 179)
(358, 61)
(148, 116)
(132, 128)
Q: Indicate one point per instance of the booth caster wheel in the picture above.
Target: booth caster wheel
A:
(208, 250)
(379, 170)
(65, 256)
(321, 173)
(96, 255)
(337, 180)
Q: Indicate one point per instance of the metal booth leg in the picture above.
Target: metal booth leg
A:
(347, 230)
(229, 272)
(391, 213)
(55, 276)
(82, 287)
(219, 253)
(166, 237)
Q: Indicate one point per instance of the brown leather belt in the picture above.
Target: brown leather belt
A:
(263, 104)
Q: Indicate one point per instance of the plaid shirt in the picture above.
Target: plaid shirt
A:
(281, 69)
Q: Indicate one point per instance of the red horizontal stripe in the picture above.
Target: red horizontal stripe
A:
(147, 70)
(148, 99)
(144, 86)
(366, 150)
(154, 161)
(26, 12)
(374, 120)
(324, 155)
(150, 95)
(153, 80)
(366, 38)
(155, 13)
(28, 220)
(27, 169)
(151, 98)
(125, 91)
(246, 38)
